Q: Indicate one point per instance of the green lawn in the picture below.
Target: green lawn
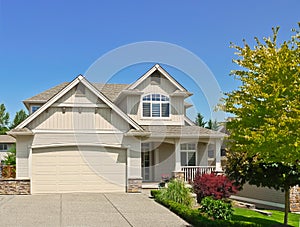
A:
(250, 216)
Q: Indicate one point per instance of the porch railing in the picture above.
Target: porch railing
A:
(190, 171)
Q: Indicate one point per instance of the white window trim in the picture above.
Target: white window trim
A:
(155, 102)
(190, 151)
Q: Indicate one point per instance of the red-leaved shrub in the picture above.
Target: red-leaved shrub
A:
(217, 186)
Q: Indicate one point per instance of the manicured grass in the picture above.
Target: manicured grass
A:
(241, 216)
(249, 216)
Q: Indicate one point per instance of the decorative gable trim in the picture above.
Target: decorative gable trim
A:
(163, 72)
(65, 90)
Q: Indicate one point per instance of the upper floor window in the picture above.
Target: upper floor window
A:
(156, 105)
(34, 108)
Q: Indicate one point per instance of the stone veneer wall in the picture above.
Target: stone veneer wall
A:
(134, 185)
(14, 187)
(295, 199)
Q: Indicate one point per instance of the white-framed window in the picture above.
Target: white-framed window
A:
(34, 108)
(188, 154)
(3, 147)
(155, 105)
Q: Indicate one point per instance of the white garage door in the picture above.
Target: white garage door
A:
(69, 169)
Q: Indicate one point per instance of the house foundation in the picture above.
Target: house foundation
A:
(14, 187)
(179, 175)
(134, 185)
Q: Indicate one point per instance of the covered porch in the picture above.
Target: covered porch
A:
(169, 155)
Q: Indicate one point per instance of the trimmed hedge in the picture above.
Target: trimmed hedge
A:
(194, 216)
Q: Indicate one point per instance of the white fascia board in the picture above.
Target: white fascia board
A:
(142, 78)
(50, 102)
(170, 78)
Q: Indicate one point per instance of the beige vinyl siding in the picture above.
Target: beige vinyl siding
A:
(79, 112)
(73, 118)
(134, 157)
(262, 193)
(165, 85)
(177, 105)
(133, 104)
(65, 170)
(62, 139)
(22, 156)
(166, 160)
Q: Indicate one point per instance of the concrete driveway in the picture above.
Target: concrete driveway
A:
(85, 210)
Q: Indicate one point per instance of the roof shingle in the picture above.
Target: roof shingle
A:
(111, 91)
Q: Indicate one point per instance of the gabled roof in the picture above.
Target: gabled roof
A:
(157, 67)
(66, 89)
(111, 91)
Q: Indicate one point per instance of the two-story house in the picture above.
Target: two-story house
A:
(89, 137)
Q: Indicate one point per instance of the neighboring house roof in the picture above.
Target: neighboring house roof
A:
(66, 89)
(178, 131)
(7, 139)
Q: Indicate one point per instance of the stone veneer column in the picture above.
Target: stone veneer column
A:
(134, 185)
(179, 175)
(14, 187)
(295, 199)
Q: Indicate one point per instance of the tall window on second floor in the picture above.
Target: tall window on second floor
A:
(156, 105)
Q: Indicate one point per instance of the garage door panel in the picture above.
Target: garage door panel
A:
(49, 169)
(45, 177)
(62, 171)
(46, 159)
(46, 188)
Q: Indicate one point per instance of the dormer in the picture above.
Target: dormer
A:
(155, 98)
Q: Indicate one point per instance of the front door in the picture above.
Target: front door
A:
(146, 161)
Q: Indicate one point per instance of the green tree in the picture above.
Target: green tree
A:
(213, 125)
(265, 136)
(200, 120)
(4, 119)
(19, 117)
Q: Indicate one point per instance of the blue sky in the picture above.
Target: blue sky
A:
(44, 43)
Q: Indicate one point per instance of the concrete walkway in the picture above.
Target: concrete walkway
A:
(85, 210)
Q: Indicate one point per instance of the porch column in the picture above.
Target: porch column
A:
(177, 156)
(178, 173)
(218, 143)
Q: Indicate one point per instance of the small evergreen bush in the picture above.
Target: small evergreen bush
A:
(10, 158)
(177, 192)
(216, 209)
(217, 186)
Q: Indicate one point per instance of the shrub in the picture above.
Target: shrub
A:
(217, 186)
(177, 192)
(193, 216)
(216, 209)
(10, 158)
